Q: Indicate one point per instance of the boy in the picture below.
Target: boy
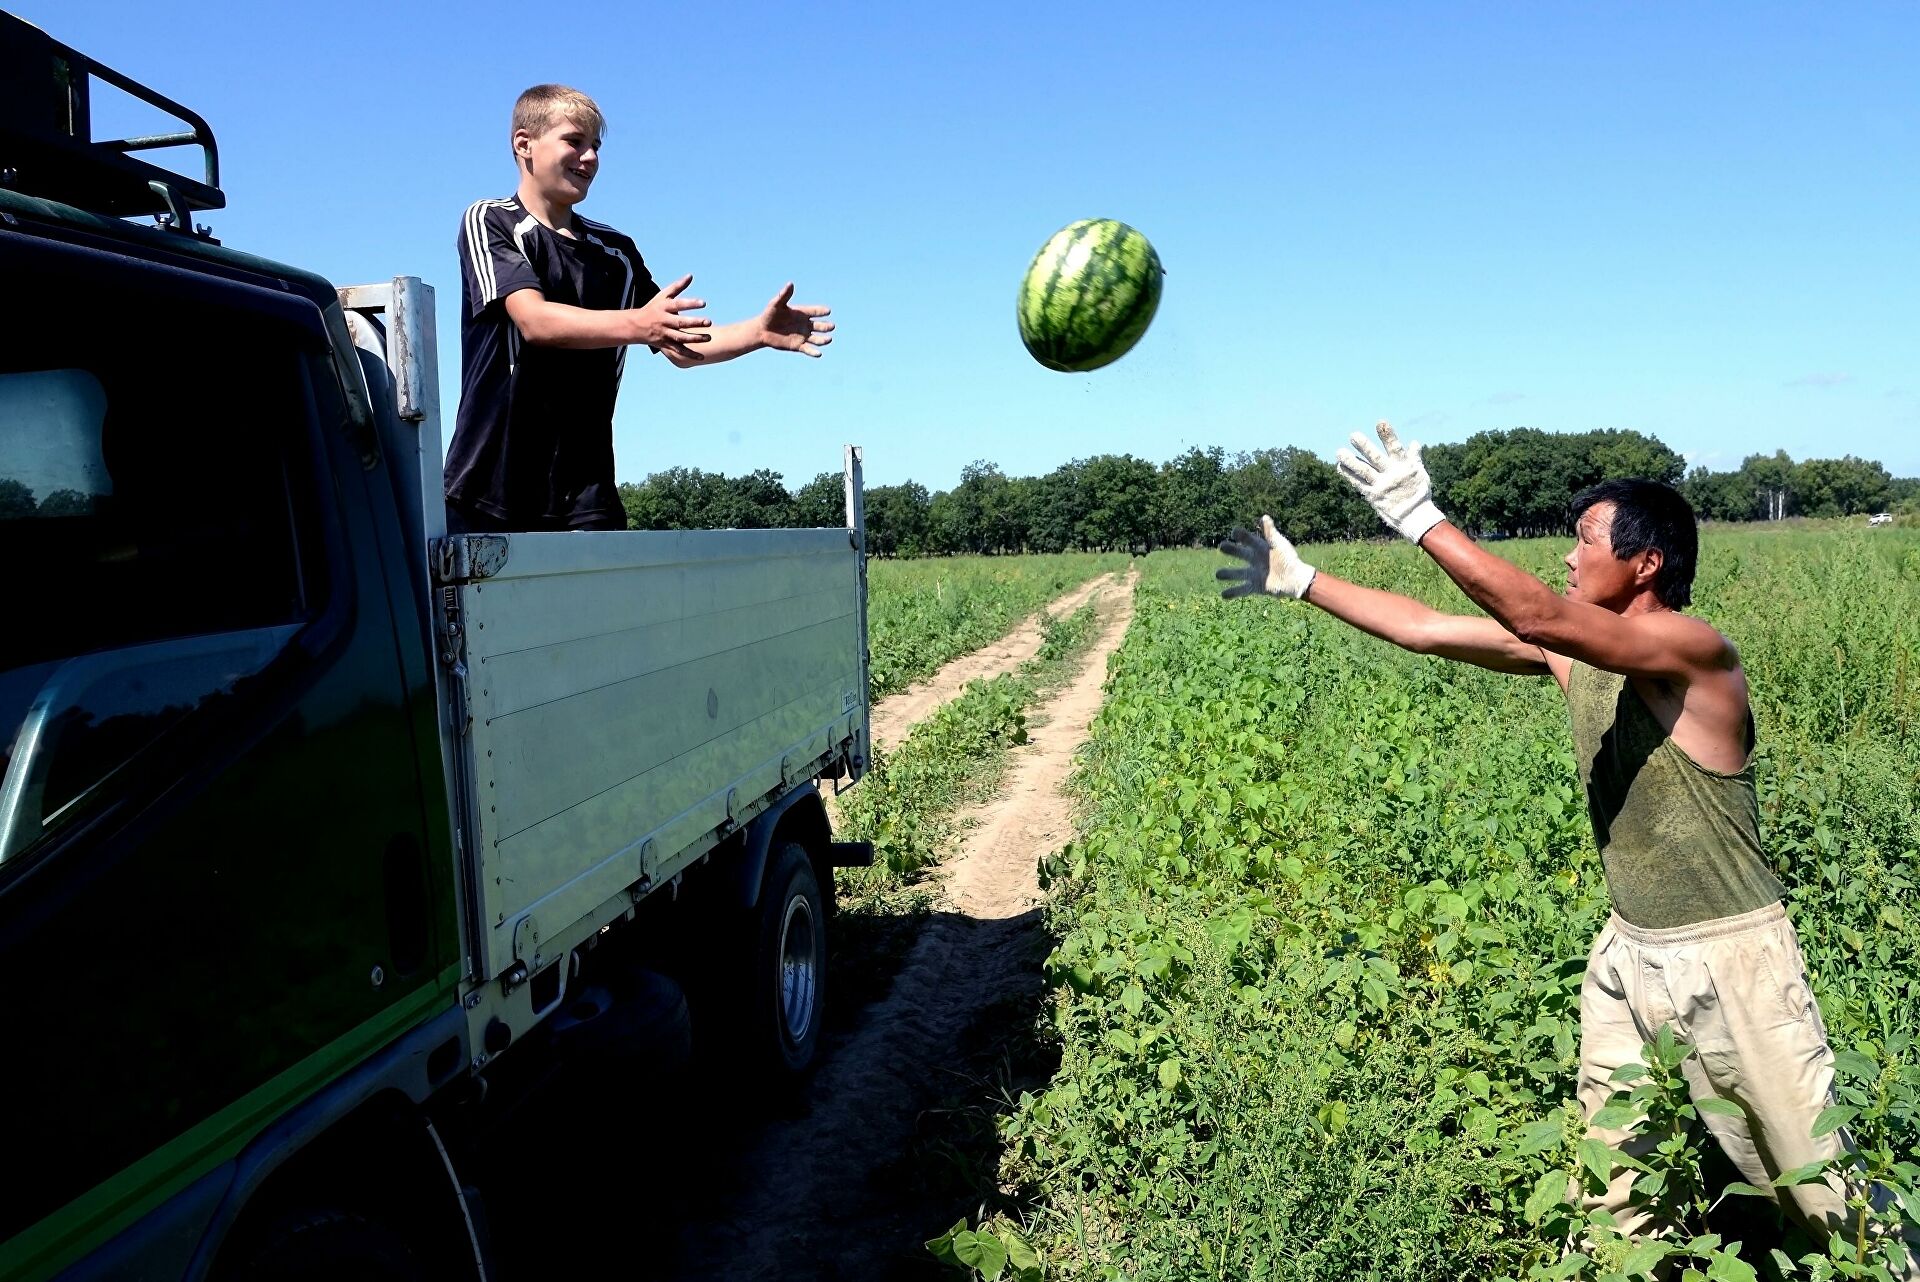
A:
(1664, 735)
(551, 303)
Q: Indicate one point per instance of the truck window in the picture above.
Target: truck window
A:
(150, 520)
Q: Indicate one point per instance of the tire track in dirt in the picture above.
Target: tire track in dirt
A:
(823, 1198)
(894, 715)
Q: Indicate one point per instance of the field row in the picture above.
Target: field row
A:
(922, 613)
(1320, 944)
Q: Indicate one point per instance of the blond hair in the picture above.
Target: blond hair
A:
(543, 106)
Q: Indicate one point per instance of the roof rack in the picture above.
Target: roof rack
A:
(47, 148)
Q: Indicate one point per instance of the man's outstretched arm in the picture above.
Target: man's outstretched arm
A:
(1661, 644)
(1274, 568)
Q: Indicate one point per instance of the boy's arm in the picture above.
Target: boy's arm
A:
(660, 324)
(1275, 568)
(782, 324)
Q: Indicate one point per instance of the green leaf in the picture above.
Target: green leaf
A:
(1615, 1116)
(1548, 1192)
(1644, 1256)
(1832, 1119)
(1597, 1157)
(1730, 1268)
(1722, 1107)
(1169, 1073)
(1537, 1137)
(942, 1246)
(1375, 991)
(1739, 1188)
(1020, 1253)
(1854, 1065)
(982, 1252)
(1782, 1262)
(1811, 1173)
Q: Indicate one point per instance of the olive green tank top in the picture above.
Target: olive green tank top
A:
(1680, 843)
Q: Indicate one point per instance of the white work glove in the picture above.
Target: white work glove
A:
(1272, 566)
(1394, 480)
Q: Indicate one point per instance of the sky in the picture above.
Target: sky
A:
(1696, 221)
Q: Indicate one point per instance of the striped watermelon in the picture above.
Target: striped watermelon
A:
(1089, 295)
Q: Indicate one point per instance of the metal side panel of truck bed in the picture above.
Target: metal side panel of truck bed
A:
(630, 697)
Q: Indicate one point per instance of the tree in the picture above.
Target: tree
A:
(1771, 482)
(1195, 499)
(1056, 507)
(821, 502)
(897, 520)
(66, 503)
(16, 500)
(1520, 482)
(985, 510)
(757, 501)
(680, 498)
(1718, 496)
(1120, 492)
(946, 525)
(1841, 486)
(1306, 496)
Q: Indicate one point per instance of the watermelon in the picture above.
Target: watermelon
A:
(1089, 295)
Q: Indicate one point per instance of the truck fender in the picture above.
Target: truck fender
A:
(399, 1077)
(798, 816)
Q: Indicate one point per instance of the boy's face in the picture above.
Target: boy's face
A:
(561, 161)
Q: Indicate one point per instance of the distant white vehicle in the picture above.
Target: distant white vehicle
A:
(1880, 518)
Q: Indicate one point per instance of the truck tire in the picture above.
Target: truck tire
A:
(786, 987)
(314, 1245)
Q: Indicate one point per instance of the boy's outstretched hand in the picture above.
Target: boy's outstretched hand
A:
(1272, 566)
(795, 328)
(663, 325)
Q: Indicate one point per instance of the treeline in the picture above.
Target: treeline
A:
(1512, 483)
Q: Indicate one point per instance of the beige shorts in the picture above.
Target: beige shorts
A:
(1736, 990)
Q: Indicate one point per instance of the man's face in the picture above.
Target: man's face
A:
(1594, 574)
(562, 160)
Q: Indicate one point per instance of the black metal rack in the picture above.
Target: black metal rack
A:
(47, 147)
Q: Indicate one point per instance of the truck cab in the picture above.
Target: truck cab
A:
(310, 814)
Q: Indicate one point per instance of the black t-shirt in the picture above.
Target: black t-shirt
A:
(533, 440)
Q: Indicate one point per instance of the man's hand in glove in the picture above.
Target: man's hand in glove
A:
(1272, 566)
(1394, 481)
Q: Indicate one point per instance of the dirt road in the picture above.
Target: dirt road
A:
(889, 1141)
(893, 716)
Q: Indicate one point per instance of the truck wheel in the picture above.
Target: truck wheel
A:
(310, 1246)
(786, 995)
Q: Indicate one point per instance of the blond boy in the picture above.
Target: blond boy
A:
(552, 301)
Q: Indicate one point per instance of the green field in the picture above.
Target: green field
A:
(921, 613)
(1319, 946)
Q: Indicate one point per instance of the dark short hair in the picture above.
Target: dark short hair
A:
(1647, 514)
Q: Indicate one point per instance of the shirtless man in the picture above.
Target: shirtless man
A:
(1664, 735)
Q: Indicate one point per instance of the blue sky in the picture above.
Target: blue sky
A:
(1697, 221)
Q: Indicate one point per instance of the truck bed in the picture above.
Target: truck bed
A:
(631, 697)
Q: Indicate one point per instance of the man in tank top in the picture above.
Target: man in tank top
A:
(1664, 735)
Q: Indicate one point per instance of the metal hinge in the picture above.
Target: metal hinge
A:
(464, 558)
